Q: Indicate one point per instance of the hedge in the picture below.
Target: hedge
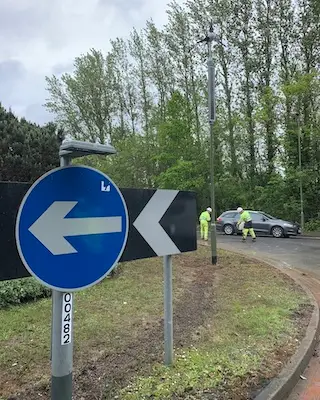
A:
(20, 291)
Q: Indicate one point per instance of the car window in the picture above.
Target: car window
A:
(256, 216)
(268, 216)
(229, 215)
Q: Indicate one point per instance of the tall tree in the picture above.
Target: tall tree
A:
(179, 42)
(287, 36)
(124, 86)
(244, 42)
(83, 102)
(138, 51)
(266, 55)
(160, 68)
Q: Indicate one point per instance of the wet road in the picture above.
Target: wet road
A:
(295, 252)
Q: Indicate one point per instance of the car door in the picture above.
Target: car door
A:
(229, 218)
(235, 221)
(259, 222)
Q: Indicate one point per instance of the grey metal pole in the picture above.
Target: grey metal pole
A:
(168, 315)
(300, 179)
(62, 339)
(212, 117)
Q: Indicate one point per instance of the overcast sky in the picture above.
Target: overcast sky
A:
(41, 37)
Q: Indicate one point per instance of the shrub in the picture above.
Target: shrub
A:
(20, 291)
(312, 225)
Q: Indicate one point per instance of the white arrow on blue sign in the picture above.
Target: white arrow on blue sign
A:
(70, 232)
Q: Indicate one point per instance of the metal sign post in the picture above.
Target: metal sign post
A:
(212, 117)
(62, 338)
(168, 314)
(62, 346)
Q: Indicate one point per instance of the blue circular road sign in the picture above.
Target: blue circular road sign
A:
(72, 228)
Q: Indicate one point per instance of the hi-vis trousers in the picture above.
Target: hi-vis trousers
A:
(204, 228)
(248, 229)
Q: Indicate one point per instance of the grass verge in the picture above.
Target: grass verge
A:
(253, 323)
(235, 325)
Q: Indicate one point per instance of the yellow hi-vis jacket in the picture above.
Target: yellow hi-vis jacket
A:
(205, 216)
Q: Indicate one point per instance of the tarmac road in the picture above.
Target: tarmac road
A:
(299, 252)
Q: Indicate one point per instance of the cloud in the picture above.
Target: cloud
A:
(36, 113)
(12, 72)
(39, 38)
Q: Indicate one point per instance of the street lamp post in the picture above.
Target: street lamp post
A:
(300, 179)
(212, 117)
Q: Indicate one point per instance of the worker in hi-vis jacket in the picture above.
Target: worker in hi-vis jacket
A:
(204, 219)
(245, 218)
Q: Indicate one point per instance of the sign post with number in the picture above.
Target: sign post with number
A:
(65, 223)
(67, 306)
(61, 349)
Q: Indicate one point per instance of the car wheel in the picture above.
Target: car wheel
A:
(228, 229)
(277, 231)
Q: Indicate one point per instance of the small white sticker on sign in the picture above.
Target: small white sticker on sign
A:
(105, 188)
(66, 326)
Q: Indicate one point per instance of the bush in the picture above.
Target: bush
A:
(20, 291)
(312, 225)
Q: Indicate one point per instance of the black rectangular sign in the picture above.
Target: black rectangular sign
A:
(162, 222)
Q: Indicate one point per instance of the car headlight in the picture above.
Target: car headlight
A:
(289, 225)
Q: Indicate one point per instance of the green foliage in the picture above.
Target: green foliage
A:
(275, 198)
(20, 291)
(230, 193)
(184, 175)
(83, 101)
(313, 225)
(175, 126)
(26, 150)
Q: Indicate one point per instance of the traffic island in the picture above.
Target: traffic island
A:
(235, 326)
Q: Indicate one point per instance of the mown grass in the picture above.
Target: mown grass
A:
(104, 317)
(254, 317)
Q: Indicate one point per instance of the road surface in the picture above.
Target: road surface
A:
(295, 252)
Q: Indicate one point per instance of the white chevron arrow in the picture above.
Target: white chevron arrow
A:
(52, 227)
(147, 223)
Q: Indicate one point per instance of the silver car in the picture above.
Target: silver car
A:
(262, 223)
